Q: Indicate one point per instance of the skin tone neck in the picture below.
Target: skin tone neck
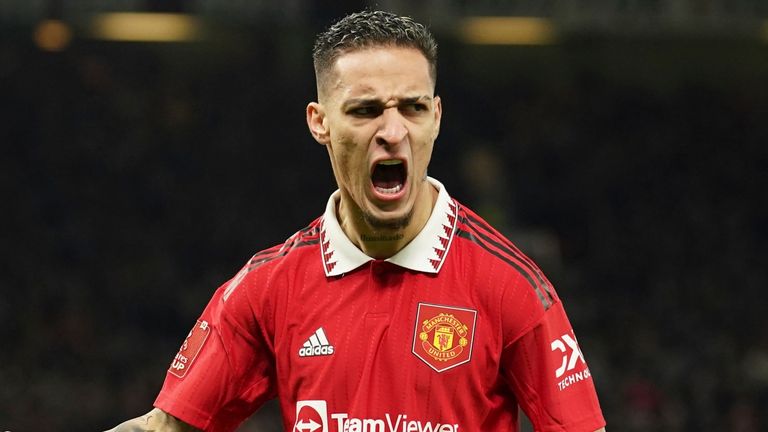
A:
(382, 243)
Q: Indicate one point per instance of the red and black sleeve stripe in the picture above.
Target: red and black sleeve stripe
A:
(476, 230)
(305, 237)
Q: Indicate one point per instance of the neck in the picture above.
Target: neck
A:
(383, 242)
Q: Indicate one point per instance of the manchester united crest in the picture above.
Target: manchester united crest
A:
(443, 335)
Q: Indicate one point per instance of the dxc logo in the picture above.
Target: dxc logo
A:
(575, 353)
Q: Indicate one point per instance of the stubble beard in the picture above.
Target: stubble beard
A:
(389, 224)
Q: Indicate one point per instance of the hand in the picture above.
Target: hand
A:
(156, 420)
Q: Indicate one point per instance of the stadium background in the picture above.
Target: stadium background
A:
(621, 143)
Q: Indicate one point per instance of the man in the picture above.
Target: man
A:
(397, 310)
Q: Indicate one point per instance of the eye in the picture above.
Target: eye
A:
(364, 111)
(414, 108)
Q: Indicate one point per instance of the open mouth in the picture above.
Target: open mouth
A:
(388, 176)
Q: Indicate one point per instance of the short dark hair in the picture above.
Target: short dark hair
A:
(368, 29)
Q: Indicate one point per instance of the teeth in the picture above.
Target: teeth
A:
(392, 190)
(391, 162)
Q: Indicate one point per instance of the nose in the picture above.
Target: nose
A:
(392, 130)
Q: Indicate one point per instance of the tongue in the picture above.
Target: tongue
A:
(387, 176)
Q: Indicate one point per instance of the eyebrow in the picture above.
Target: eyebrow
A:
(374, 101)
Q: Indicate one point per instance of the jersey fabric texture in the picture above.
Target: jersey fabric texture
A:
(453, 333)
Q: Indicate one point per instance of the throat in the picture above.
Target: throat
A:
(381, 237)
(376, 238)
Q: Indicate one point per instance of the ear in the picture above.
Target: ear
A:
(438, 116)
(316, 121)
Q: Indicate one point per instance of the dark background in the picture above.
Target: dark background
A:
(628, 158)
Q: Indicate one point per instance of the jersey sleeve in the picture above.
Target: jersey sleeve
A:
(224, 370)
(549, 375)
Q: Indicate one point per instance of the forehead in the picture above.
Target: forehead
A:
(386, 71)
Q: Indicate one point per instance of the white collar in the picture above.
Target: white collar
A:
(425, 253)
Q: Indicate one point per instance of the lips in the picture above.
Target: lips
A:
(388, 178)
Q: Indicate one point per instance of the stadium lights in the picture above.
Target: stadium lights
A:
(52, 35)
(764, 31)
(146, 27)
(508, 31)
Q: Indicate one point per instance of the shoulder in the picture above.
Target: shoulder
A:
(492, 252)
(252, 298)
(523, 295)
(291, 249)
(296, 252)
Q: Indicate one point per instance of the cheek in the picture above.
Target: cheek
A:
(423, 154)
(348, 158)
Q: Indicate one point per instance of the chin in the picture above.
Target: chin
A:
(394, 223)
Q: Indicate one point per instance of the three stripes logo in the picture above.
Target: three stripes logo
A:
(316, 345)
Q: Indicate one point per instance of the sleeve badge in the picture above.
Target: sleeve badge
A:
(190, 349)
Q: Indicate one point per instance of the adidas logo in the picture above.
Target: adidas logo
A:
(316, 345)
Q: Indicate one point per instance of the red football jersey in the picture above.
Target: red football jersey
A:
(451, 334)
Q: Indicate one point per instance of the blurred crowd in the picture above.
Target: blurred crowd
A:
(137, 180)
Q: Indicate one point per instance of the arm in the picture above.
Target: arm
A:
(154, 421)
(545, 367)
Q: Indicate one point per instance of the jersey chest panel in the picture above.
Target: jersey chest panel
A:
(383, 339)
